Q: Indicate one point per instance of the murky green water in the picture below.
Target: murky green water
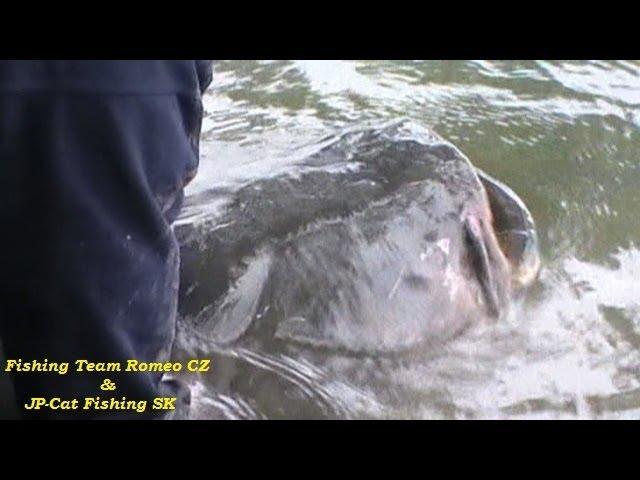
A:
(564, 135)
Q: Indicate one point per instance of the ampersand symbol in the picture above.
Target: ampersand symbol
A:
(107, 385)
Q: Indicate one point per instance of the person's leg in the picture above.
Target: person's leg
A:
(90, 185)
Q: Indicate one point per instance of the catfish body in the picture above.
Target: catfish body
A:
(384, 239)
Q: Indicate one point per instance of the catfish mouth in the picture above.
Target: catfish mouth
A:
(502, 247)
(481, 257)
(515, 230)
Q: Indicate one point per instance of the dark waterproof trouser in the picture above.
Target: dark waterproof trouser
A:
(94, 156)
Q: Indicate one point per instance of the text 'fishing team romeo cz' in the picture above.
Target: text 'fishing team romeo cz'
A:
(134, 366)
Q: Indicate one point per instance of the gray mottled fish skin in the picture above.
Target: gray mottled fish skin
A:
(384, 241)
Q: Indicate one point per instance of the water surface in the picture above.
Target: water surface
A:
(564, 135)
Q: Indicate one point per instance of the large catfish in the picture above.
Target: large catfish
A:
(386, 238)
